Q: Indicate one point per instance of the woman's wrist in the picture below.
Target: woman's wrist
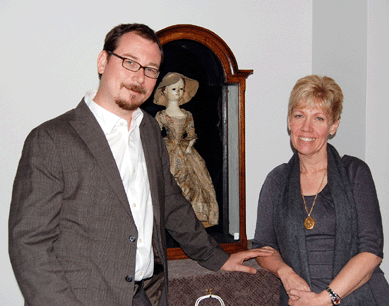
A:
(285, 272)
(334, 297)
(325, 298)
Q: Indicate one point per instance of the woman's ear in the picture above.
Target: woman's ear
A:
(334, 127)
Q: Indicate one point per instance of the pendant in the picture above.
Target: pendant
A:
(309, 223)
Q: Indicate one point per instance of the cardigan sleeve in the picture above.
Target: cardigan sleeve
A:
(370, 233)
(264, 232)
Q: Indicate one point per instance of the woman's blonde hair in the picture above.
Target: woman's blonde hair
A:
(317, 91)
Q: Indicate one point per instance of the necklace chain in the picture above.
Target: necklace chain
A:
(309, 221)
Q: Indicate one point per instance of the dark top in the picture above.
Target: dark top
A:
(320, 240)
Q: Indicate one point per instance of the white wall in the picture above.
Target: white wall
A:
(339, 51)
(377, 108)
(49, 51)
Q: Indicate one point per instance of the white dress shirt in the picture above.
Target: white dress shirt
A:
(126, 147)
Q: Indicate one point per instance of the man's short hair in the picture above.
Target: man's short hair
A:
(112, 39)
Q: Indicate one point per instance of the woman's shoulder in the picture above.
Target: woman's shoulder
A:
(352, 162)
(277, 172)
(355, 167)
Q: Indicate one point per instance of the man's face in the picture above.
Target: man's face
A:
(123, 88)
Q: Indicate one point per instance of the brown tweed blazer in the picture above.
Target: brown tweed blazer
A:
(72, 238)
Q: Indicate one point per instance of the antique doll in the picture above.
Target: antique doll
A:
(186, 164)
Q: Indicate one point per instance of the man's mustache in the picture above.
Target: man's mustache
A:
(135, 88)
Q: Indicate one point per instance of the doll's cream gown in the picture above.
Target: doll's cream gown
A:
(189, 169)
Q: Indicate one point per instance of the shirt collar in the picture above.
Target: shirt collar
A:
(106, 119)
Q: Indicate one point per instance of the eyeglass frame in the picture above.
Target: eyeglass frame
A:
(140, 66)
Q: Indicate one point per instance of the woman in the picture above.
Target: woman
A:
(320, 211)
(186, 164)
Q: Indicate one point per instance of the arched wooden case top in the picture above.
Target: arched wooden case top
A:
(218, 110)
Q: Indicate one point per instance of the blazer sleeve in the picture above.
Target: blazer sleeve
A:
(34, 223)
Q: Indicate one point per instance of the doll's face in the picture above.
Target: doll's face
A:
(175, 91)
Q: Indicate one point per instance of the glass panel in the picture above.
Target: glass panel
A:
(233, 159)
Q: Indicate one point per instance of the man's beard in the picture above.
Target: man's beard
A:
(131, 104)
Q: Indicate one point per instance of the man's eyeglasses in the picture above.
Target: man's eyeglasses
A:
(134, 66)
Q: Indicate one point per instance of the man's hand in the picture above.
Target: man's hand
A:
(235, 262)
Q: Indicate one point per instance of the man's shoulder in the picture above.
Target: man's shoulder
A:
(57, 122)
(60, 122)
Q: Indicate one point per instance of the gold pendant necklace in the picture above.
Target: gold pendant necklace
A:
(309, 222)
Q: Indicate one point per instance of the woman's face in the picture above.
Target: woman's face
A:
(175, 91)
(309, 130)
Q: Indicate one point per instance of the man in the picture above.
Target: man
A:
(93, 194)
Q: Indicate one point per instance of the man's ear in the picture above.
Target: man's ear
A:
(102, 60)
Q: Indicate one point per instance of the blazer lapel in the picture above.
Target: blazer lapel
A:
(149, 144)
(91, 133)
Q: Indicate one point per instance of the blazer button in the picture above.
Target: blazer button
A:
(132, 238)
(128, 278)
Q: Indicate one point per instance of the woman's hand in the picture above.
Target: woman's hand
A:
(305, 298)
(289, 278)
